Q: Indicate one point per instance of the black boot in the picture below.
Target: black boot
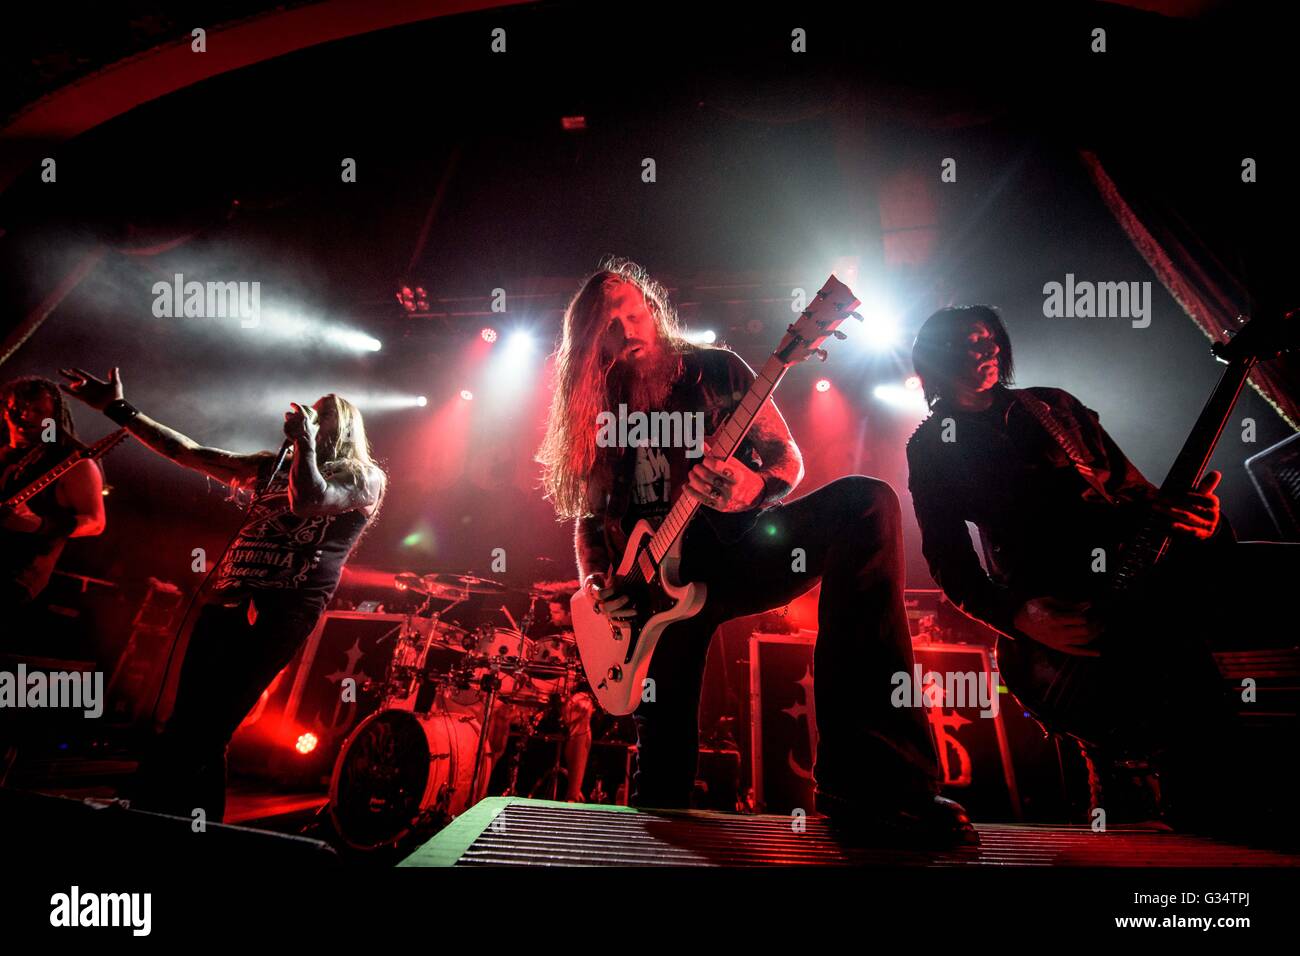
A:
(1126, 789)
(922, 822)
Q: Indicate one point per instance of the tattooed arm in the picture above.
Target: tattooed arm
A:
(227, 467)
(782, 461)
(732, 485)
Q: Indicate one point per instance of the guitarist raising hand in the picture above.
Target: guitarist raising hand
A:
(876, 768)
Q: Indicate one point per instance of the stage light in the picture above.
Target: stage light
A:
(353, 340)
(520, 342)
(489, 335)
(413, 299)
(879, 332)
(912, 382)
(823, 385)
(467, 395)
(701, 337)
(306, 743)
(422, 401)
(370, 402)
(900, 397)
(880, 329)
(299, 329)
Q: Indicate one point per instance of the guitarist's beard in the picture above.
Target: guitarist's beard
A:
(643, 385)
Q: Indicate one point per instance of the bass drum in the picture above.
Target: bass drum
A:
(401, 773)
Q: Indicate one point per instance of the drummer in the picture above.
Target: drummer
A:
(552, 636)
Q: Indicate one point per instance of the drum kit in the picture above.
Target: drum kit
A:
(424, 755)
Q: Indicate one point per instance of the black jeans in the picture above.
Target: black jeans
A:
(228, 663)
(850, 532)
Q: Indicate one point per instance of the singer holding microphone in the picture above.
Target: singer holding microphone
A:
(310, 503)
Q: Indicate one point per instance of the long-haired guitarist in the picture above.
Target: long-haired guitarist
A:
(39, 434)
(270, 587)
(1052, 496)
(876, 769)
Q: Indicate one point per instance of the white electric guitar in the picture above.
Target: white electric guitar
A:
(616, 654)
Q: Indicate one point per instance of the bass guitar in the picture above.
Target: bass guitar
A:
(1065, 691)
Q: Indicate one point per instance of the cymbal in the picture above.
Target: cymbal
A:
(550, 590)
(446, 585)
(409, 581)
(465, 583)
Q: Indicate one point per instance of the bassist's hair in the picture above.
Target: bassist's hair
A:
(942, 340)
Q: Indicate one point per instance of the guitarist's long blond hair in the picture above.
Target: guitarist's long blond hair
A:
(569, 455)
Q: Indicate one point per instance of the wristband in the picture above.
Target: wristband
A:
(121, 411)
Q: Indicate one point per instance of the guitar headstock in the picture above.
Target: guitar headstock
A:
(1261, 338)
(833, 304)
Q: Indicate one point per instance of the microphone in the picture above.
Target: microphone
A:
(284, 448)
(279, 461)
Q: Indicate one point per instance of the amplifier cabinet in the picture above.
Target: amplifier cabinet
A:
(307, 698)
(970, 739)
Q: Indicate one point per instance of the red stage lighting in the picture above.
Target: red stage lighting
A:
(489, 335)
(913, 382)
(306, 743)
(466, 394)
(413, 300)
(823, 385)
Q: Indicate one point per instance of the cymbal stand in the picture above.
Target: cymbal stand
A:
(491, 683)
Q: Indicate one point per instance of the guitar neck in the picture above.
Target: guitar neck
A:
(1148, 546)
(97, 450)
(725, 443)
(1190, 464)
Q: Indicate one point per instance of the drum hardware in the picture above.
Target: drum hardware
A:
(490, 683)
(512, 788)
(408, 665)
(407, 765)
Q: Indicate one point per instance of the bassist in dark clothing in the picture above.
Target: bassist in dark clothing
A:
(1052, 497)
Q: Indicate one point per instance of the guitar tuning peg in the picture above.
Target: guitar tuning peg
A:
(820, 353)
(839, 335)
(857, 316)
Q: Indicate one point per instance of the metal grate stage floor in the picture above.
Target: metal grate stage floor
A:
(509, 831)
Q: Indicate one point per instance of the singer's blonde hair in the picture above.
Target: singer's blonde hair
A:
(343, 455)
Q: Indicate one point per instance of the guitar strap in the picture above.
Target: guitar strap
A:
(1042, 413)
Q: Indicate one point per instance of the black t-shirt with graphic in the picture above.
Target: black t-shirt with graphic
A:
(713, 382)
(277, 550)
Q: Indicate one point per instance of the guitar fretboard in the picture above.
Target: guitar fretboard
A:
(94, 451)
(1149, 545)
(726, 441)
